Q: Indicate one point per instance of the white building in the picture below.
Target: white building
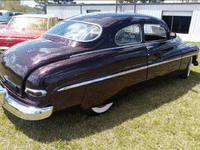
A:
(180, 17)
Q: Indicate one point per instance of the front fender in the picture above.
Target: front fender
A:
(188, 51)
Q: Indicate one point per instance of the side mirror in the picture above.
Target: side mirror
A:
(172, 35)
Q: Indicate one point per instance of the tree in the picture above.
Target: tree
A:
(15, 6)
(42, 3)
(67, 1)
(1, 5)
(142, 1)
(64, 1)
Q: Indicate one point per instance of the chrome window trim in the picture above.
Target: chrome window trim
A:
(159, 39)
(84, 23)
(155, 41)
(133, 42)
(121, 73)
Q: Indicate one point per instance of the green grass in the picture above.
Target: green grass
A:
(165, 115)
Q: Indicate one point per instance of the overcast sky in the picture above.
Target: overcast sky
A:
(31, 3)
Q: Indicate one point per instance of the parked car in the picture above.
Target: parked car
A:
(85, 60)
(25, 27)
(3, 25)
(5, 16)
(17, 13)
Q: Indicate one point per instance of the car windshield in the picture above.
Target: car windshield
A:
(28, 22)
(77, 31)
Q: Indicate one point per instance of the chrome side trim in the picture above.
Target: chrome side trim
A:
(101, 79)
(121, 73)
(190, 55)
(164, 62)
(23, 111)
(106, 49)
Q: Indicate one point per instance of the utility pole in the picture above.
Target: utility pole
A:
(45, 6)
(116, 6)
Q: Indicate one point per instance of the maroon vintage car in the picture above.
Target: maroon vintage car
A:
(25, 27)
(85, 60)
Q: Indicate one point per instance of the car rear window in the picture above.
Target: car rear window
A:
(28, 22)
(77, 31)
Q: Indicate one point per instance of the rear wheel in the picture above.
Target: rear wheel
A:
(187, 71)
(98, 109)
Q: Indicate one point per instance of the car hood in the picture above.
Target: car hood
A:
(21, 33)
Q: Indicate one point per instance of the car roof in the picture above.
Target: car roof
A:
(112, 19)
(36, 15)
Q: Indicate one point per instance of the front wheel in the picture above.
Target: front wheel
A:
(98, 109)
(187, 71)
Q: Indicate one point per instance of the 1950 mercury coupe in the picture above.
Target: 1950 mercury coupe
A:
(87, 59)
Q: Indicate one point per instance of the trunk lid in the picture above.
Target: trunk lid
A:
(20, 60)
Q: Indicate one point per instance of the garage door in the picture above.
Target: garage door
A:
(177, 21)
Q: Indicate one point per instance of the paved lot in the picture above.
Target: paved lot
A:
(187, 37)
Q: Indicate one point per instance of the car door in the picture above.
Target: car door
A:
(163, 58)
(130, 38)
(126, 65)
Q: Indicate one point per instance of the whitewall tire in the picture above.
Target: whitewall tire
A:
(187, 71)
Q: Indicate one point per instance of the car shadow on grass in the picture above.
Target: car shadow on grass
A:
(130, 103)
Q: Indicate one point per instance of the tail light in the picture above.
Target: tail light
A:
(35, 93)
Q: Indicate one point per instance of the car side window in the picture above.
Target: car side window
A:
(129, 35)
(10, 14)
(154, 32)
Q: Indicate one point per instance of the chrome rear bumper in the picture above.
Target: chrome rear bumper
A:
(23, 111)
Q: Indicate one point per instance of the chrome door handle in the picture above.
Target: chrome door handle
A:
(149, 47)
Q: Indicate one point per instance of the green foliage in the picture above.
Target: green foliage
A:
(142, 1)
(42, 3)
(1, 5)
(15, 6)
